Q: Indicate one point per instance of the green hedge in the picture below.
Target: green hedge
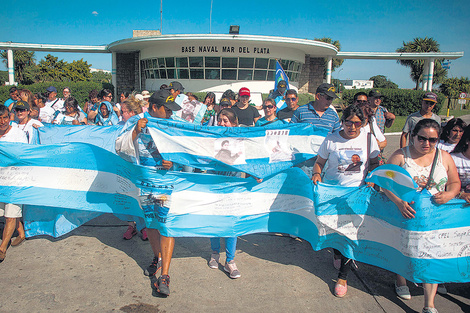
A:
(79, 90)
(401, 102)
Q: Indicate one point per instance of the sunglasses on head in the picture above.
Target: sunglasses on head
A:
(268, 106)
(431, 140)
(349, 124)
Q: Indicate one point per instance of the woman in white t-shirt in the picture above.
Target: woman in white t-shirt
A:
(12, 212)
(25, 122)
(461, 156)
(72, 115)
(451, 134)
(350, 153)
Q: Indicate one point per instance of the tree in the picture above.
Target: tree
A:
(417, 66)
(452, 87)
(24, 61)
(336, 62)
(101, 77)
(78, 71)
(51, 69)
(381, 81)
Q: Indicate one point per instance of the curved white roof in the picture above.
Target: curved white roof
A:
(311, 47)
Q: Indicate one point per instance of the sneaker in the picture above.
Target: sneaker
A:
(429, 310)
(340, 290)
(162, 285)
(441, 289)
(403, 292)
(154, 267)
(214, 261)
(336, 262)
(130, 232)
(232, 269)
(144, 234)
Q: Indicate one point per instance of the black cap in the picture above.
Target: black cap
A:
(164, 97)
(225, 102)
(282, 86)
(327, 89)
(175, 86)
(375, 93)
(22, 105)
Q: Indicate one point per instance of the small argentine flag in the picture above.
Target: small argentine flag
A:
(395, 179)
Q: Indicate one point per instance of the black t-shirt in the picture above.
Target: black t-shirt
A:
(246, 116)
(285, 113)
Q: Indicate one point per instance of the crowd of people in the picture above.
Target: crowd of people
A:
(437, 159)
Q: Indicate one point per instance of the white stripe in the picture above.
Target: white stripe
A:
(434, 244)
(235, 204)
(66, 179)
(254, 147)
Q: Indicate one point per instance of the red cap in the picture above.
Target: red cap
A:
(244, 92)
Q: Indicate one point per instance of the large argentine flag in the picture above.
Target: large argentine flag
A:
(258, 151)
(85, 181)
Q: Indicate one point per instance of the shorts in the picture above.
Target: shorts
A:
(11, 210)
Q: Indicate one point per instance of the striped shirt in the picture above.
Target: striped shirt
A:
(307, 114)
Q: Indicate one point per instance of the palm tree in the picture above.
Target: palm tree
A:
(336, 62)
(417, 66)
(23, 61)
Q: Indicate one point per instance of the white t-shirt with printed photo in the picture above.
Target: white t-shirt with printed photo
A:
(348, 161)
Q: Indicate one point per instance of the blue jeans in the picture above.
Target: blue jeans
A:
(230, 247)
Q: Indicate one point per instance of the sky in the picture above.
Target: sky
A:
(373, 26)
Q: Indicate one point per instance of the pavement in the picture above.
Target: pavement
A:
(92, 269)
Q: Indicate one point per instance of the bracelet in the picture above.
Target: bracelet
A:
(316, 174)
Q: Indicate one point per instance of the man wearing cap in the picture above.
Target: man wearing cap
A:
(175, 88)
(427, 105)
(319, 112)
(246, 113)
(292, 101)
(382, 117)
(53, 101)
(161, 105)
(279, 94)
(231, 96)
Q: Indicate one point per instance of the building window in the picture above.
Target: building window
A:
(212, 74)
(197, 73)
(217, 68)
(212, 62)
(196, 62)
(229, 74)
(229, 62)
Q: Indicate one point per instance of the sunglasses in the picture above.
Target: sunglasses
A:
(362, 102)
(20, 110)
(431, 140)
(225, 105)
(349, 124)
(291, 99)
(268, 106)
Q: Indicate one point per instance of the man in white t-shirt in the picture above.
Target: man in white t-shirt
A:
(12, 212)
(53, 101)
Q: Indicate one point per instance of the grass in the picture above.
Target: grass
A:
(400, 120)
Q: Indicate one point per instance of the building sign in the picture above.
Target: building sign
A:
(224, 49)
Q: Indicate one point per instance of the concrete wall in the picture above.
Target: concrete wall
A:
(311, 75)
(127, 72)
